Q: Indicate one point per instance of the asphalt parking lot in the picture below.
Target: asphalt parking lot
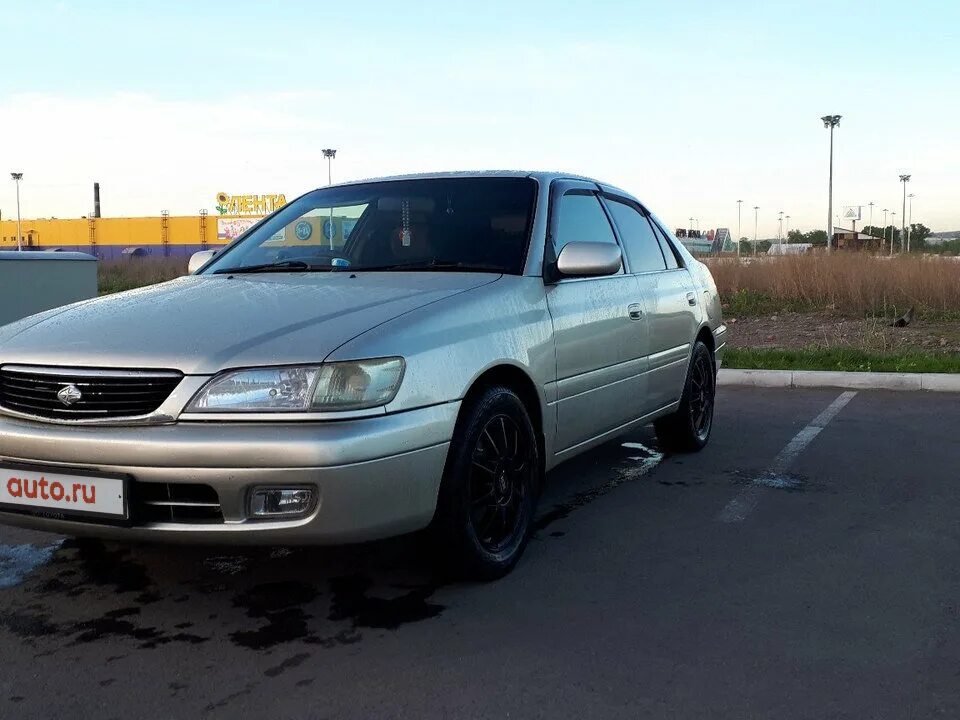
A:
(804, 565)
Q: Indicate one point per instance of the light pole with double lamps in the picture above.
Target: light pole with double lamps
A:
(330, 154)
(903, 215)
(830, 121)
(17, 177)
(739, 205)
(756, 208)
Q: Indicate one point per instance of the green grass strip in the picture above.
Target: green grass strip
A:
(842, 359)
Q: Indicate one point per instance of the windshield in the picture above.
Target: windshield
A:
(452, 224)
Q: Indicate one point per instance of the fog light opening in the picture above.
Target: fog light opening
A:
(280, 502)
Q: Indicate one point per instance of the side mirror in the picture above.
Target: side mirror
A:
(199, 259)
(583, 259)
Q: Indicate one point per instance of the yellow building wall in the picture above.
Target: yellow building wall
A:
(126, 232)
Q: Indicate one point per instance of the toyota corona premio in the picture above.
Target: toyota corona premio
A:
(372, 359)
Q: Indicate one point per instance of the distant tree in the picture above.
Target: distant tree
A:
(918, 236)
(814, 237)
(950, 247)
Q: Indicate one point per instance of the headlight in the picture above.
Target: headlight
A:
(319, 388)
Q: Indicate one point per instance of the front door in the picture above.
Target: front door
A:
(598, 327)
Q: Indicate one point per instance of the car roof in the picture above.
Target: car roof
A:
(543, 176)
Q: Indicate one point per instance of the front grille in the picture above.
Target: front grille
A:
(96, 394)
(174, 503)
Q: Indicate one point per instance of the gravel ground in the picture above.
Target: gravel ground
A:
(826, 330)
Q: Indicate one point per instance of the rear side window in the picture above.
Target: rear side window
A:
(582, 219)
(669, 253)
(639, 239)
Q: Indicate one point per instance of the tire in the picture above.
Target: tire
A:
(489, 491)
(688, 428)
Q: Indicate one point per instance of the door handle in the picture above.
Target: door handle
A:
(634, 311)
(691, 298)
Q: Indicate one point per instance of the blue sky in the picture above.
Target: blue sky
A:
(690, 105)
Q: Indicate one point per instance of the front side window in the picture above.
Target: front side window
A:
(455, 224)
(639, 240)
(581, 219)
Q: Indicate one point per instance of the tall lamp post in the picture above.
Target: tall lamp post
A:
(788, 229)
(830, 121)
(780, 229)
(17, 177)
(893, 222)
(910, 197)
(884, 233)
(871, 219)
(755, 209)
(330, 154)
(903, 216)
(739, 205)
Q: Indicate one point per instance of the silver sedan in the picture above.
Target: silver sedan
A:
(374, 358)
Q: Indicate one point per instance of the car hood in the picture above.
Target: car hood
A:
(203, 324)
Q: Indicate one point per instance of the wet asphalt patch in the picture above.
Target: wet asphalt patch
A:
(786, 481)
(641, 460)
(154, 598)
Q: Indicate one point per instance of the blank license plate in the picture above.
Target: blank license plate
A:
(60, 492)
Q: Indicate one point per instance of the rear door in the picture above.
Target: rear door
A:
(599, 334)
(668, 296)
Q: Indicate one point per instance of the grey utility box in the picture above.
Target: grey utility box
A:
(34, 281)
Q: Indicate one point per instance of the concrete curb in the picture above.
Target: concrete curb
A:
(939, 382)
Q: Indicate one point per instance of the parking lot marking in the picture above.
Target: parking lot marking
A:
(744, 503)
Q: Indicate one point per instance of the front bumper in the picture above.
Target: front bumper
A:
(375, 477)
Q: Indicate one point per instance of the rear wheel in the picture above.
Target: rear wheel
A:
(688, 429)
(489, 490)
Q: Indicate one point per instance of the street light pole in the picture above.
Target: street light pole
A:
(330, 154)
(17, 177)
(739, 205)
(903, 217)
(872, 229)
(893, 222)
(884, 235)
(830, 121)
(910, 197)
(755, 209)
(788, 229)
(780, 230)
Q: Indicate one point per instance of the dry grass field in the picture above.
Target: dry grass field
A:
(851, 284)
(116, 275)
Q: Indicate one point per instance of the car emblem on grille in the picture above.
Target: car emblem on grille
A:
(69, 394)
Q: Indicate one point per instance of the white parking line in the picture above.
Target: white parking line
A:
(744, 503)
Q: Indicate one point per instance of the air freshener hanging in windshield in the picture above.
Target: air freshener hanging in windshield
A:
(405, 235)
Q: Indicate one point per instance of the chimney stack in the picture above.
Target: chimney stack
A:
(96, 199)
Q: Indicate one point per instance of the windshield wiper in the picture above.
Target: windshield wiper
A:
(280, 266)
(433, 264)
